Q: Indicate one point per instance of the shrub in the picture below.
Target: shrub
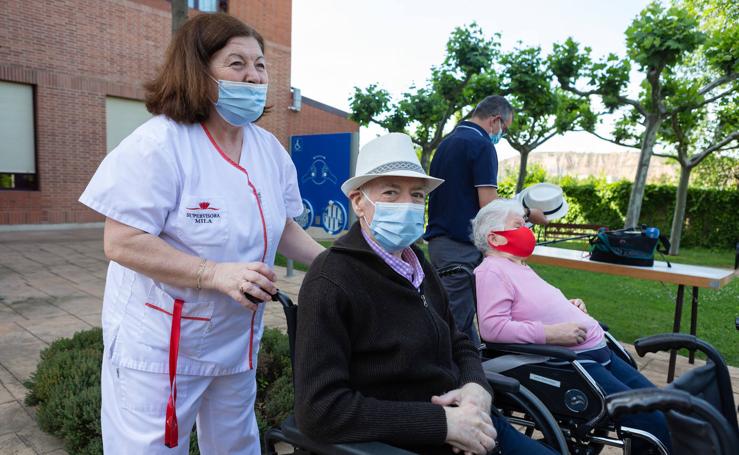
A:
(66, 389)
(709, 219)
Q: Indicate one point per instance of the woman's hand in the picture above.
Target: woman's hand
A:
(579, 304)
(566, 333)
(236, 279)
(469, 430)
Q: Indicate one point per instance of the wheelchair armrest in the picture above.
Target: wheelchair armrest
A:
(557, 352)
(501, 383)
(294, 436)
(648, 400)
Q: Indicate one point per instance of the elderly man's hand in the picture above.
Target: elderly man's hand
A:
(469, 430)
(471, 393)
(537, 216)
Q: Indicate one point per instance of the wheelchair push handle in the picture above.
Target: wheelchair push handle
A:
(667, 341)
(647, 400)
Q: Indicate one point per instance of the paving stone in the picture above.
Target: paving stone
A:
(52, 329)
(13, 418)
(5, 395)
(36, 308)
(39, 440)
(11, 444)
(12, 385)
(19, 350)
(78, 305)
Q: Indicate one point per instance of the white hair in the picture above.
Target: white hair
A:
(493, 217)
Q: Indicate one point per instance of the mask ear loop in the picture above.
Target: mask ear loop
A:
(368, 200)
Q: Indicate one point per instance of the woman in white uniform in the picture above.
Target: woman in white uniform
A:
(198, 200)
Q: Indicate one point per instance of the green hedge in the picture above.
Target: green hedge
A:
(710, 218)
(66, 389)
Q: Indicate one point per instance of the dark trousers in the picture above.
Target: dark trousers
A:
(444, 252)
(619, 376)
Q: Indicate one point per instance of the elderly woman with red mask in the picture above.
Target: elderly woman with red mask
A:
(515, 305)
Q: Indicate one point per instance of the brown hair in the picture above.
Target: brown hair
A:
(182, 89)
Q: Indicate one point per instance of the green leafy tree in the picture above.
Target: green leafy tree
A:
(474, 68)
(691, 136)
(542, 110)
(661, 42)
(424, 112)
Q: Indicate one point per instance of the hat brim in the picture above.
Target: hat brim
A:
(356, 182)
(552, 216)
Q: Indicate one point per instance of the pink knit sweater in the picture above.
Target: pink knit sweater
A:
(514, 304)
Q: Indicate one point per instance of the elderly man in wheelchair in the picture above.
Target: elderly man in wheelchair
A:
(378, 356)
(516, 306)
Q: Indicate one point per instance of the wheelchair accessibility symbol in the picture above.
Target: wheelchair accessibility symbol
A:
(334, 218)
(319, 172)
(305, 219)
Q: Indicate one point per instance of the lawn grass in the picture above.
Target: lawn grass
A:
(635, 308)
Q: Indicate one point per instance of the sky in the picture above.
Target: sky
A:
(340, 44)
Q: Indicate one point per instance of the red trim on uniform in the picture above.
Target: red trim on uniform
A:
(192, 318)
(170, 422)
(264, 225)
(248, 180)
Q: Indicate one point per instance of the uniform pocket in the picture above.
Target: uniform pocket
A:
(155, 325)
(145, 392)
(203, 220)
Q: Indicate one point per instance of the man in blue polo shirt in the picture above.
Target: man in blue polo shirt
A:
(467, 161)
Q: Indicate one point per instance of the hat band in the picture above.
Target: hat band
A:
(396, 166)
(546, 212)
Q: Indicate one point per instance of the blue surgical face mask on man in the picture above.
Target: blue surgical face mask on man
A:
(240, 103)
(495, 138)
(396, 225)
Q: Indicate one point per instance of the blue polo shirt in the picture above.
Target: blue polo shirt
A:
(466, 159)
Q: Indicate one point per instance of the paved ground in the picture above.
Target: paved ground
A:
(51, 286)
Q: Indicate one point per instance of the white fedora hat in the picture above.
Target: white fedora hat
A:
(389, 155)
(547, 197)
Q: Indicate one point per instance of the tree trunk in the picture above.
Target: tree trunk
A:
(678, 217)
(426, 159)
(640, 181)
(522, 170)
(179, 14)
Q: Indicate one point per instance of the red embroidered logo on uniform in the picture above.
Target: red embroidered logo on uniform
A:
(201, 214)
(203, 206)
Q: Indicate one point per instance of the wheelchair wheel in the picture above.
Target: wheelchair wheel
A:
(537, 417)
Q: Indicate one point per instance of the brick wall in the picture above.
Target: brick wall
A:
(77, 52)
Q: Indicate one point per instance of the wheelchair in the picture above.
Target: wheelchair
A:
(703, 424)
(555, 375)
(503, 386)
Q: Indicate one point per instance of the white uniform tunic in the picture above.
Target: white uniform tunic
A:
(172, 181)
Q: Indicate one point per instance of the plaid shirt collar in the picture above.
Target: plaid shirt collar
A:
(407, 265)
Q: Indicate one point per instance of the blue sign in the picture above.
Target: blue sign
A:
(322, 162)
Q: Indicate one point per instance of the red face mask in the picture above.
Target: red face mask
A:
(521, 242)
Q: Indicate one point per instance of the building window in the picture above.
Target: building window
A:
(18, 133)
(208, 6)
(122, 116)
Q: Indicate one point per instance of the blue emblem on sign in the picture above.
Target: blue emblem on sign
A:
(334, 217)
(305, 219)
(319, 172)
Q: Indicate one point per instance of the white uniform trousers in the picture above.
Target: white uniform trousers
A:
(134, 405)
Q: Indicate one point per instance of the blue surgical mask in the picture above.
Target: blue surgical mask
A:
(240, 103)
(495, 138)
(396, 225)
